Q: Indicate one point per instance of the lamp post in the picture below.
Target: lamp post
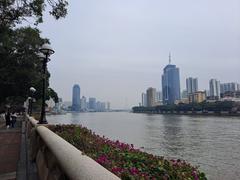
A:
(46, 51)
(32, 91)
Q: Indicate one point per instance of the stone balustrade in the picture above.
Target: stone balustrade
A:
(57, 159)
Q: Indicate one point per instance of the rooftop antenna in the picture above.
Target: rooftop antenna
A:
(169, 58)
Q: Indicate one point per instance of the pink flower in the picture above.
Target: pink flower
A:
(194, 173)
(117, 170)
(102, 159)
(134, 171)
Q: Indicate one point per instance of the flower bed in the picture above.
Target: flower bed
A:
(123, 159)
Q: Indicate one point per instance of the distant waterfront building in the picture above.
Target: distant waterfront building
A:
(151, 97)
(59, 105)
(98, 106)
(170, 83)
(50, 104)
(144, 99)
(76, 98)
(192, 85)
(158, 96)
(84, 103)
(197, 97)
(92, 104)
(235, 94)
(182, 101)
(103, 106)
(184, 94)
(214, 86)
(208, 93)
(229, 87)
(108, 106)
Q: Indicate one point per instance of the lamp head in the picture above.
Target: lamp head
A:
(46, 49)
(41, 56)
(32, 89)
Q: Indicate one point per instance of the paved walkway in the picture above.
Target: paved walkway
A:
(10, 143)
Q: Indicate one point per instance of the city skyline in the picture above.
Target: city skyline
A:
(117, 49)
(230, 84)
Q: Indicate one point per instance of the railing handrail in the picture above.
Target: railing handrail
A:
(72, 161)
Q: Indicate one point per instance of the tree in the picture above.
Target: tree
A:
(52, 94)
(20, 67)
(13, 12)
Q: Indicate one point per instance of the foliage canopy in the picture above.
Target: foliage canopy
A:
(20, 67)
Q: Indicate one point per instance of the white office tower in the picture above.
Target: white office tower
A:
(192, 85)
(214, 86)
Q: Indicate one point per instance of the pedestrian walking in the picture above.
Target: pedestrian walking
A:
(14, 119)
(8, 118)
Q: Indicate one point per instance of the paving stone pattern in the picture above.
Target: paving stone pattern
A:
(10, 140)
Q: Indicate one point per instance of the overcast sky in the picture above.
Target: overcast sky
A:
(116, 49)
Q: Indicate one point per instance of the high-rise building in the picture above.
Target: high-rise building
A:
(158, 96)
(214, 87)
(229, 87)
(207, 93)
(98, 106)
(151, 97)
(84, 103)
(103, 106)
(170, 83)
(92, 104)
(76, 98)
(144, 99)
(192, 85)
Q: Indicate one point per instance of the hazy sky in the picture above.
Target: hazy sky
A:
(116, 49)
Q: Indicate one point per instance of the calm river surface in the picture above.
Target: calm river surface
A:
(213, 143)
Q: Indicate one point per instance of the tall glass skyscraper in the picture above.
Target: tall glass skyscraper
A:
(170, 84)
(76, 98)
(192, 85)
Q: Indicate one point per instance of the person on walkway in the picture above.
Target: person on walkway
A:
(14, 119)
(8, 118)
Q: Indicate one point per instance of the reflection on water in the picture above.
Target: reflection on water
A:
(211, 142)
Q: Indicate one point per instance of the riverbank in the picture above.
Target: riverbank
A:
(190, 113)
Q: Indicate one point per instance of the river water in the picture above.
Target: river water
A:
(213, 143)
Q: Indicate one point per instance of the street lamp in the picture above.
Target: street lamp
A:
(32, 91)
(46, 51)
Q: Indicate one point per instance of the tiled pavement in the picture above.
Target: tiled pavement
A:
(10, 141)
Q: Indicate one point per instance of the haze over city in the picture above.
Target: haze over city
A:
(117, 49)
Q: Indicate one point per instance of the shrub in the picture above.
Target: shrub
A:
(123, 159)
